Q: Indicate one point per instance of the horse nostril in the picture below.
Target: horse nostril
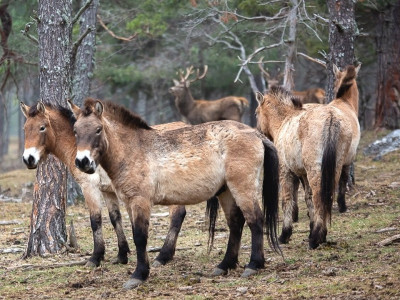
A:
(82, 163)
(31, 160)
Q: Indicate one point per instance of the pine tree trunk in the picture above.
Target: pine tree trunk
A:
(288, 82)
(2, 123)
(342, 30)
(48, 230)
(388, 47)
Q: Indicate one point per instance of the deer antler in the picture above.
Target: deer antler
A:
(189, 71)
(198, 76)
(263, 71)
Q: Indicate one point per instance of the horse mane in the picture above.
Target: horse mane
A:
(285, 97)
(347, 81)
(117, 113)
(65, 112)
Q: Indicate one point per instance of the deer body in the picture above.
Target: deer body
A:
(201, 111)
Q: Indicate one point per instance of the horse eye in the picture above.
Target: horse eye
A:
(42, 128)
(98, 130)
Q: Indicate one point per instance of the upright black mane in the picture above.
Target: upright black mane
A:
(65, 112)
(347, 81)
(118, 113)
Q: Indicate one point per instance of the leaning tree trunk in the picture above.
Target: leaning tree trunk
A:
(48, 231)
(342, 31)
(388, 47)
(288, 82)
(82, 74)
(2, 123)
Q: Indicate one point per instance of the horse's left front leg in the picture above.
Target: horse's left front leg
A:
(140, 211)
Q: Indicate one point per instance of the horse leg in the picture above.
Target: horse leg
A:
(235, 220)
(295, 212)
(318, 226)
(289, 187)
(93, 200)
(344, 178)
(309, 203)
(116, 220)
(177, 215)
(140, 212)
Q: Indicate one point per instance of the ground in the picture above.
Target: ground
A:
(349, 266)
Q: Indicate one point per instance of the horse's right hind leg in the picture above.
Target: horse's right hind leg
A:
(235, 220)
(116, 220)
(295, 211)
(177, 215)
(344, 178)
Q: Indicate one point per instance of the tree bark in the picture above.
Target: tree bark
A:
(82, 75)
(288, 82)
(342, 31)
(2, 124)
(48, 230)
(388, 47)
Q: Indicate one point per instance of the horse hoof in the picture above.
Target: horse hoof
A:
(248, 272)
(119, 260)
(157, 264)
(132, 283)
(218, 272)
(90, 264)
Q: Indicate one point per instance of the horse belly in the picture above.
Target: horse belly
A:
(191, 181)
(290, 148)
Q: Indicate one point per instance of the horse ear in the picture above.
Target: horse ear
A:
(336, 70)
(98, 108)
(75, 109)
(40, 107)
(358, 69)
(24, 109)
(260, 98)
(176, 82)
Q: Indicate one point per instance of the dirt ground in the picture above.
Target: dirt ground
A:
(349, 266)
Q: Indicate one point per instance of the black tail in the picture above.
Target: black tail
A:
(328, 167)
(270, 193)
(211, 215)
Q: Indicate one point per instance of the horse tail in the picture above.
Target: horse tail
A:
(270, 191)
(328, 166)
(211, 215)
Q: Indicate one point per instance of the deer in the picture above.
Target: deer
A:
(312, 95)
(201, 111)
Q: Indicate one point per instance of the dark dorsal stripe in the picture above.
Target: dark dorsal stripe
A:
(117, 113)
(65, 112)
(347, 81)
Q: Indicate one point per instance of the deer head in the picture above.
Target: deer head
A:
(271, 80)
(180, 87)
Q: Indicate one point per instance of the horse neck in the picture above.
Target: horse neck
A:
(351, 97)
(64, 147)
(186, 103)
(276, 118)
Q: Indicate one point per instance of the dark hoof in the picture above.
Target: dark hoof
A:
(132, 283)
(120, 260)
(342, 209)
(313, 244)
(218, 272)
(283, 240)
(91, 265)
(248, 272)
(157, 264)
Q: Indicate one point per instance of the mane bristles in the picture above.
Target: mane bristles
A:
(347, 81)
(285, 97)
(33, 111)
(117, 112)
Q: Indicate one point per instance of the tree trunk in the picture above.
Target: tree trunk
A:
(342, 30)
(2, 124)
(48, 230)
(82, 75)
(388, 47)
(291, 51)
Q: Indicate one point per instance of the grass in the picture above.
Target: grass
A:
(349, 266)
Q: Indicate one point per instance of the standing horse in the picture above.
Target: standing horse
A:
(316, 144)
(183, 166)
(49, 130)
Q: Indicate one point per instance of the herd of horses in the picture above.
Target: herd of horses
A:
(115, 155)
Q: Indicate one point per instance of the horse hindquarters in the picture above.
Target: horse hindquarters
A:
(324, 191)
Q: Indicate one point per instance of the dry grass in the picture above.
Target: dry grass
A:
(349, 266)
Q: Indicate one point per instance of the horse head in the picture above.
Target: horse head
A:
(90, 137)
(39, 134)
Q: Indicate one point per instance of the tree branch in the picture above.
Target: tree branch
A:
(316, 60)
(25, 32)
(79, 42)
(113, 34)
(81, 11)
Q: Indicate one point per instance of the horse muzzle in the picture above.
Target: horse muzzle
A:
(30, 162)
(85, 165)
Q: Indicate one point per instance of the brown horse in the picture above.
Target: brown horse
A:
(201, 111)
(183, 166)
(316, 144)
(49, 130)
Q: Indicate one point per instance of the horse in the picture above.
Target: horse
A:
(317, 144)
(183, 166)
(49, 130)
